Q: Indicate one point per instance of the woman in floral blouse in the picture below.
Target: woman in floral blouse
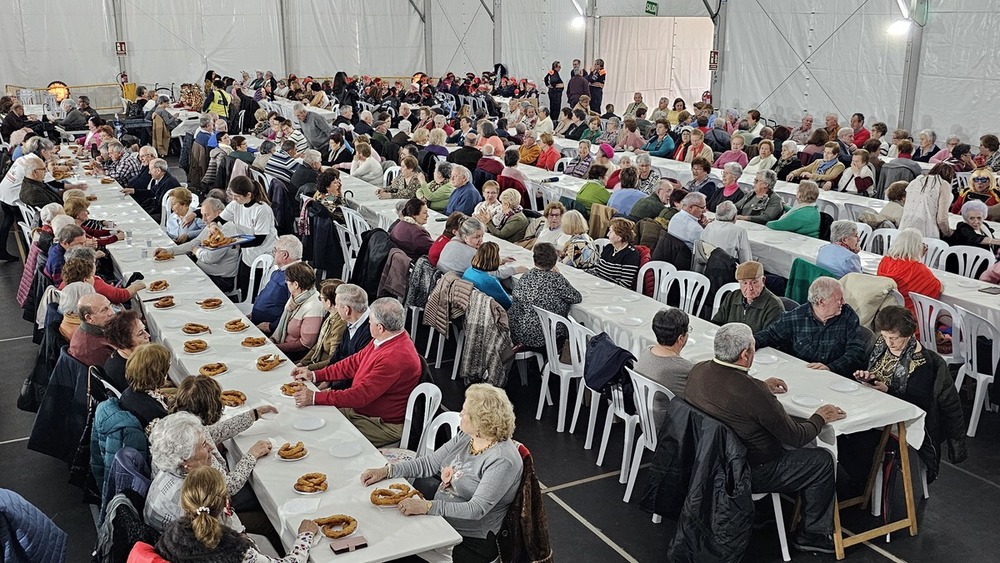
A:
(542, 286)
(580, 251)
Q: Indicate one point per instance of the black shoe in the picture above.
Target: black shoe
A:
(813, 543)
(5, 257)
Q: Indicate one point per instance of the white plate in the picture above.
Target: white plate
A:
(631, 321)
(628, 298)
(969, 283)
(844, 386)
(174, 323)
(180, 270)
(807, 400)
(711, 332)
(765, 359)
(208, 349)
(615, 310)
(316, 493)
(164, 308)
(279, 458)
(235, 331)
(603, 285)
(309, 423)
(346, 449)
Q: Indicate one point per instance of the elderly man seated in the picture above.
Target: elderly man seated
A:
(221, 265)
(824, 332)
(840, 257)
(753, 305)
(123, 165)
(723, 388)
(687, 225)
(725, 234)
(271, 298)
(89, 345)
(383, 374)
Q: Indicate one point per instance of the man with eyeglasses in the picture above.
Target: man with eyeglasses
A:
(753, 305)
(34, 191)
(272, 297)
(688, 224)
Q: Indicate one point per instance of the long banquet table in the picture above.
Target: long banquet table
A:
(337, 449)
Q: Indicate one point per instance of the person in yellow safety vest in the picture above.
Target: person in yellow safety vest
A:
(218, 101)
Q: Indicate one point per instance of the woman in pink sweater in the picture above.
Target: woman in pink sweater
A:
(298, 328)
(734, 154)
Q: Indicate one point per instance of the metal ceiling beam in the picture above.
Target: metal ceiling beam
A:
(417, 10)
(911, 65)
(487, 8)
(428, 37)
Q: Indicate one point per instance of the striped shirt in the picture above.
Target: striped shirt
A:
(620, 267)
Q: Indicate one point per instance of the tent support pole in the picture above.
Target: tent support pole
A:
(911, 65)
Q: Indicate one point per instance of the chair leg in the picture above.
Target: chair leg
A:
(977, 408)
(877, 494)
(413, 324)
(459, 343)
(563, 400)
(923, 481)
(960, 377)
(542, 394)
(779, 519)
(440, 351)
(522, 369)
(595, 398)
(657, 518)
(630, 426)
(605, 435)
(640, 445)
(576, 409)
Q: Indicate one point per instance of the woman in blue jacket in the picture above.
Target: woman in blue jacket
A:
(661, 145)
(486, 260)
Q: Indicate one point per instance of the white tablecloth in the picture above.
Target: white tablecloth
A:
(284, 107)
(390, 535)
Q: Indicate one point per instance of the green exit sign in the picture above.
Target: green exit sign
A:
(652, 8)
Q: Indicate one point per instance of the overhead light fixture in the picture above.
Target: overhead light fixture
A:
(579, 22)
(900, 27)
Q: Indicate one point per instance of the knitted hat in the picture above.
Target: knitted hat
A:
(607, 150)
(749, 270)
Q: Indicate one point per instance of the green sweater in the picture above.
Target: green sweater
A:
(647, 208)
(438, 199)
(592, 192)
(803, 220)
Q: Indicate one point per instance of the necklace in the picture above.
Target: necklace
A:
(474, 451)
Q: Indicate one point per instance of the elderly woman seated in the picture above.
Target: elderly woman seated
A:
(972, 231)
(549, 229)
(406, 183)
(436, 192)
(480, 471)
(982, 187)
(734, 154)
(580, 163)
(580, 250)
(840, 257)
(544, 287)
(619, 262)
(180, 204)
(823, 170)
(901, 366)
(126, 333)
(611, 132)
(180, 443)
(788, 161)
(593, 190)
(904, 263)
(332, 331)
(765, 158)
(298, 327)
(859, 178)
(512, 221)
(486, 260)
(365, 166)
(804, 217)
(81, 266)
(79, 210)
(725, 234)
(730, 190)
(146, 373)
(892, 212)
(927, 147)
(410, 234)
(761, 205)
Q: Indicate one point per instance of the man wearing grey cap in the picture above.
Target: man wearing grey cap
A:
(753, 305)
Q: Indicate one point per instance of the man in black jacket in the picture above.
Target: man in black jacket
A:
(467, 156)
(352, 306)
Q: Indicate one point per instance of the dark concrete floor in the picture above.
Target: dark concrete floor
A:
(587, 519)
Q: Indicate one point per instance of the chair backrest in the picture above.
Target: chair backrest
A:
(787, 198)
(970, 259)
(600, 243)
(928, 311)
(855, 210)
(355, 222)
(561, 164)
(550, 328)
(29, 213)
(693, 291)
(828, 207)
(579, 337)
(533, 190)
(349, 247)
(390, 174)
(864, 234)
(881, 239)
(962, 180)
(451, 419)
(721, 294)
(431, 395)
(645, 390)
(935, 247)
(662, 273)
(974, 326)
(265, 263)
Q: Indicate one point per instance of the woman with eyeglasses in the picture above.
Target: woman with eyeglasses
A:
(125, 332)
(982, 187)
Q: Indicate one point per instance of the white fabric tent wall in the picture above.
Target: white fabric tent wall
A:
(537, 32)
(672, 8)
(462, 37)
(856, 68)
(179, 41)
(46, 40)
(656, 56)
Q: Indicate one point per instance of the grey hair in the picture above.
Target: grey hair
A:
(907, 245)
(734, 168)
(366, 115)
(769, 177)
(204, 120)
(267, 147)
(70, 295)
(623, 159)
(822, 288)
(353, 296)
(400, 204)
(345, 109)
(36, 145)
(81, 253)
(521, 128)
(162, 100)
(790, 145)
(842, 229)
(725, 211)
(470, 227)
(930, 133)
(693, 198)
(615, 121)
(471, 138)
(50, 212)
(844, 131)
(150, 150)
(290, 244)
(159, 163)
(459, 169)
(174, 439)
(643, 159)
(311, 156)
(61, 221)
(68, 104)
(115, 147)
(969, 207)
(586, 142)
(389, 313)
(956, 137)
(69, 233)
(808, 191)
(488, 150)
(444, 169)
(214, 203)
(731, 340)
(405, 126)
(298, 107)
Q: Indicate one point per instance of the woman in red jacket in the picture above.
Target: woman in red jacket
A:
(903, 263)
(80, 266)
(550, 155)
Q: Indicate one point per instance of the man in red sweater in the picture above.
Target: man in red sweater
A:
(383, 374)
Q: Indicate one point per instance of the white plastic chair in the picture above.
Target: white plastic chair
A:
(431, 395)
(694, 289)
(631, 421)
(265, 263)
(828, 207)
(876, 509)
(165, 207)
(561, 164)
(855, 210)
(390, 174)
(935, 247)
(645, 390)
(721, 294)
(30, 214)
(881, 239)
(928, 310)
(349, 247)
(554, 365)
(974, 326)
(970, 259)
(600, 243)
(450, 419)
(663, 273)
(962, 180)
(533, 191)
(864, 233)
(787, 198)
(579, 336)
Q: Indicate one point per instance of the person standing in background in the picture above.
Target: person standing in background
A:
(556, 86)
(596, 78)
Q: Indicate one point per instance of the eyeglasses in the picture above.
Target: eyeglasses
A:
(980, 179)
